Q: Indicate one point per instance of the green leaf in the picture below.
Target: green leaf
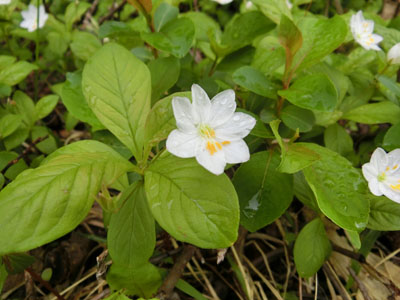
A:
(16, 138)
(161, 121)
(391, 139)
(84, 45)
(45, 106)
(49, 144)
(337, 139)
(164, 74)
(176, 37)
(273, 9)
(75, 102)
(339, 188)
(321, 36)
(206, 217)
(190, 290)
(269, 56)
(390, 88)
(384, 214)
(18, 262)
(74, 12)
(163, 14)
(375, 113)
(264, 194)
(8, 124)
(314, 91)
(296, 117)
(131, 236)
(289, 36)
(311, 249)
(117, 296)
(6, 60)
(13, 74)
(25, 107)
(117, 87)
(43, 204)
(296, 157)
(202, 24)
(255, 81)
(142, 280)
(303, 191)
(14, 170)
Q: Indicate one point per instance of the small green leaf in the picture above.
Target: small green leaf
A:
(74, 12)
(391, 139)
(314, 91)
(131, 236)
(164, 74)
(311, 249)
(163, 14)
(202, 24)
(273, 9)
(384, 214)
(45, 203)
(255, 81)
(46, 105)
(264, 194)
(176, 37)
(117, 87)
(84, 45)
(206, 217)
(18, 262)
(25, 107)
(296, 157)
(13, 74)
(375, 113)
(339, 188)
(8, 124)
(49, 144)
(289, 35)
(296, 117)
(337, 139)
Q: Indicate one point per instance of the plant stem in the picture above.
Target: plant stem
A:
(36, 82)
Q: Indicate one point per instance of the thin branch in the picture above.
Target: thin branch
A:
(112, 11)
(37, 278)
(175, 274)
(89, 14)
(360, 284)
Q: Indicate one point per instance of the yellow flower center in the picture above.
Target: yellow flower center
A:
(212, 145)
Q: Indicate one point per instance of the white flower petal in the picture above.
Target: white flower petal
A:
(215, 163)
(390, 193)
(223, 2)
(201, 104)
(236, 152)
(183, 114)
(374, 187)
(379, 160)
(236, 128)
(182, 145)
(223, 106)
(394, 54)
(369, 171)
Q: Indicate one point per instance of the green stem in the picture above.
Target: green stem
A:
(37, 51)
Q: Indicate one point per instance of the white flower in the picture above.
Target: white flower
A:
(249, 5)
(362, 32)
(393, 55)
(223, 2)
(383, 174)
(211, 131)
(5, 2)
(289, 4)
(30, 18)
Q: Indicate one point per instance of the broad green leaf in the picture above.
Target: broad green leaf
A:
(5, 90)
(117, 87)
(161, 121)
(84, 45)
(375, 113)
(296, 117)
(6, 60)
(143, 280)
(311, 249)
(255, 81)
(269, 56)
(339, 188)
(8, 124)
(75, 102)
(58, 43)
(74, 12)
(202, 24)
(16, 138)
(243, 29)
(43, 204)
(18, 262)
(296, 157)
(289, 36)
(320, 37)
(163, 14)
(13, 74)
(46, 105)
(176, 37)
(314, 91)
(264, 193)
(273, 9)
(49, 144)
(303, 191)
(206, 217)
(391, 139)
(390, 88)
(164, 74)
(337, 139)
(384, 214)
(131, 237)
(25, 107)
